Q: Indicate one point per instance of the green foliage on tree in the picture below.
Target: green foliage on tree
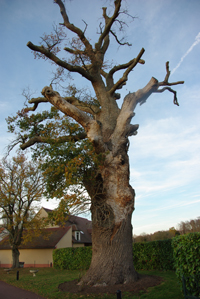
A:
(67, 160)
(21, 189)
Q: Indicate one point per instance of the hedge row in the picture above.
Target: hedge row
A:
(153, 255)
(181, 253)
(186, 250)
(150, 255)
(72, 258)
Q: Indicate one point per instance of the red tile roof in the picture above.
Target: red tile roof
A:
(49, 238)
(84, 226)
(81, 224)
(55, 234)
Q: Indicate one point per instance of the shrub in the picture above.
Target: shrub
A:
(72, 258)
(153, 255)
(187, 260)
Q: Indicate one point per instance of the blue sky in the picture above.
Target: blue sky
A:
(165, 154)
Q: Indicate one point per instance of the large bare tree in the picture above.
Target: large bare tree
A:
(108, 127)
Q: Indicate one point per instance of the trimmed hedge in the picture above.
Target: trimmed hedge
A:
(187, 260)
(181, 253)
(153, 255)
(72, 258)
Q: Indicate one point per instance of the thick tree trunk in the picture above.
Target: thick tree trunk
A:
(112, 258)
(15, 257)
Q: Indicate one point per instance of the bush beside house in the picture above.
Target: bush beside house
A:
(72, 258)
(39, 251)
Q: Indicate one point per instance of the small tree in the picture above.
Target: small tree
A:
(21, 185)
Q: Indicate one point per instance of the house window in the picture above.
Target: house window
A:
(77, 236)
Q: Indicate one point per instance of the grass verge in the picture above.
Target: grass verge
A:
(47, 280)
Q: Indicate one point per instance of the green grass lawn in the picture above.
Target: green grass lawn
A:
(46, 282)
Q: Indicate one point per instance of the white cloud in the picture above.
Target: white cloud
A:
(164, 157)
(165, 138)
(179, 204)
(197, 40)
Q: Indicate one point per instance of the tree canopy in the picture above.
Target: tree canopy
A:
(21, 189)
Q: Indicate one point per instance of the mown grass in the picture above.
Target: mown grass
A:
(47, 280)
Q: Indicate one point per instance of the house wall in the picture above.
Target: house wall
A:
(43, 214)
(36, 257)
(5, 258)
(66, 240)
(30, 257)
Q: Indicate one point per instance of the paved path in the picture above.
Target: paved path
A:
(8, 291)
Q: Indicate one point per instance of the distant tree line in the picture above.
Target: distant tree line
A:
(182, 228)
(191, 226)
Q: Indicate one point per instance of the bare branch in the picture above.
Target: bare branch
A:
(85, 26)
(166, 83)
(124, 78)
(75, 52)
(105, 44)
(68, 109)
(53, 39)
(12, 145)
(132, 130)
(123, 127)
(104, 74)
(75, 29)
(118, 41)
(62, 10)
(60, 62)
(59, 140)
(88, 108)
(124, 66)
(35, 102)
(168, 72)
(83, 106)
(171, 90)
(109, 76)
(91, 126)
(109, 22)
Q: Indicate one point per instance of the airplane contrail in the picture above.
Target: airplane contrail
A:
(197, 40)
